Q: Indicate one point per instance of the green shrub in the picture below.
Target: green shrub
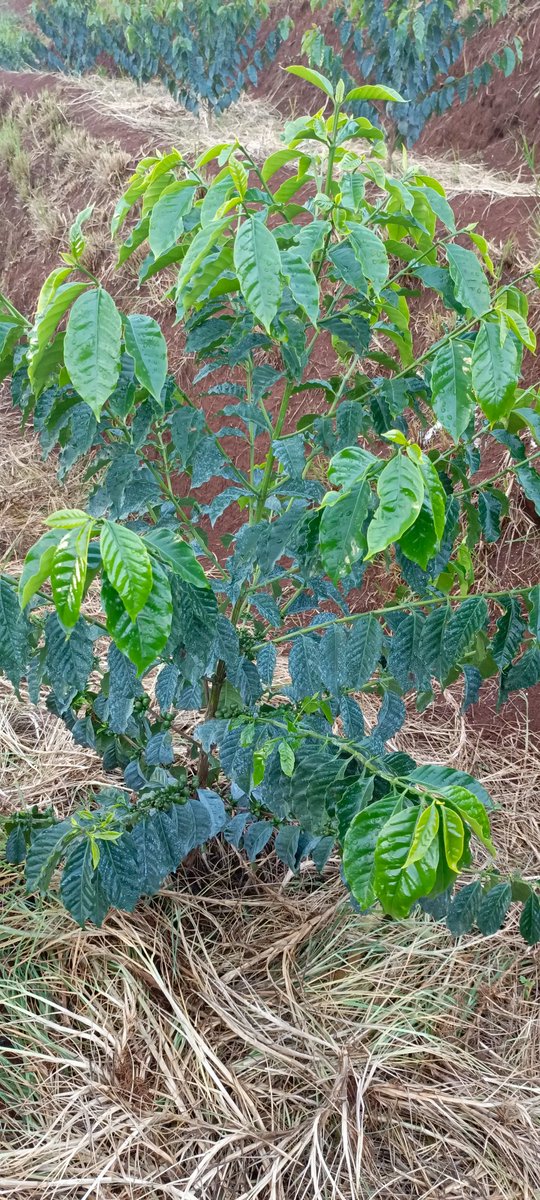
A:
(413, 45)
(17, 45)
(201, 50)
(266, 275)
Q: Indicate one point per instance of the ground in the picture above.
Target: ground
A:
(245, 1034)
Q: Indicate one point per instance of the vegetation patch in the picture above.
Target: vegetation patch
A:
(338, 250)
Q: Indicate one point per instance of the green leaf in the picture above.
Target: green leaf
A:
(359, 847)
(351, 801)
(425, 832)
(341, 540)
(15, 630)
(437, 778)
(348, 467)
(370, 252)
(396, 884)
(314, 77)
(197, 252)
(148, 348)
(286, 758)
(471, 285)
(524, 673)
(529, 923)
(436, 493)
(493, 908)
(46, 850)
(509, 635)
(80, 888)
(472, 812)
(302, 282)
(141, 640)
(167, 216)
(463, 909)
(37, 565)
(258, 265)
(420, 542)
(464, 623)
(67, 518)
(451, 387)
(530, 483)
(364, 650)
(127, 564)
(532, 600)
(374, 91)
(118, 872)
(276, 161)
(92, 347)
(68, 572)
(177, 555)
(48, 319)
(495, 371)
(400, 489)
(454, 837)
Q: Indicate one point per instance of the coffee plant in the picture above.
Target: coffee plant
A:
(413, 46)
(201, 50)
(137, 609)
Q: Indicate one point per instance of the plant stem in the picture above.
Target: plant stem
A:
(405, 606)
(267, 476)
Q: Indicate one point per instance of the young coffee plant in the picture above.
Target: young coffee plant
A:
(413, 45)
(201, 50)
(228, 565)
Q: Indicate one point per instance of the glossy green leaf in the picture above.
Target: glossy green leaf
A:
(425, 832)
(197, 252)
(37, 565)
(142, 639)
(127, 564)
(302, 283)
(371, 254)
(348, 467)
(472, 811)
(451, 387)
(167, 216)
(314, 77)
(472, 289)
(374, 91)
(420, 542)
(400, 489)
(178, 555)
(454, 837)
(286, 758)
(341, 539)
(148, 348)
(397, 885)
(60, 299)
(68, 573)
(258, 265)
(495, 371)
(92, 347)
(529, 923)
(359, 848)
